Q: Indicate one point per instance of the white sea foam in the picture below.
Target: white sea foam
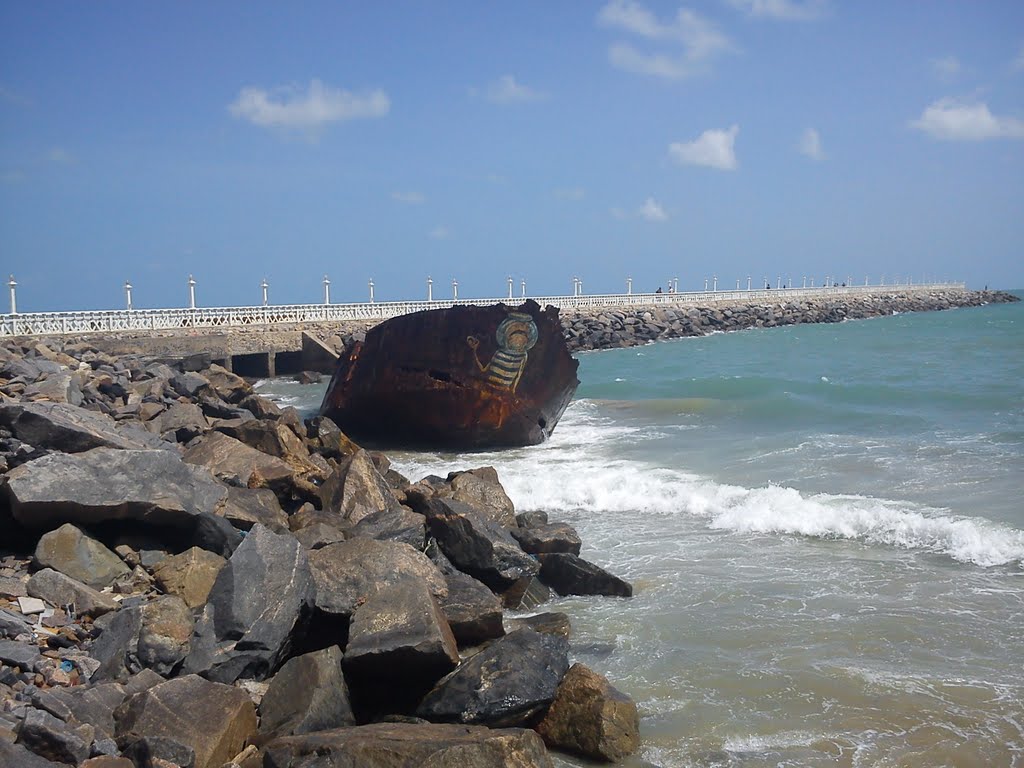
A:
(571, 474)
(756, 744)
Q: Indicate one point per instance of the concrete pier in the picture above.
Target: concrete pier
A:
(591, 322)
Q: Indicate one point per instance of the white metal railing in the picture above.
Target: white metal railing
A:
(120, 320)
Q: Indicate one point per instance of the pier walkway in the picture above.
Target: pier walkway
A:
(224, 319)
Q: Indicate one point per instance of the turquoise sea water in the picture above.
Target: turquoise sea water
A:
(824, 526)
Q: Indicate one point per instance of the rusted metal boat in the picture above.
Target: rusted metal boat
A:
(464, 377)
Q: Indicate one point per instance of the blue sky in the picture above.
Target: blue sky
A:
(542, 140)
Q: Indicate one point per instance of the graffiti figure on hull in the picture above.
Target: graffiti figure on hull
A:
(516, 336)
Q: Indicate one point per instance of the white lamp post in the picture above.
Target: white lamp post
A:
(748, 282)
(191, 292)
(705, 285)
(523, 285)
(371, 290)
(714, 283)
(629, 285)
(14, 300)
(510, 287)
(128, 294)
(327, 290)
(264, 286)
(455, 289)
(430, 289)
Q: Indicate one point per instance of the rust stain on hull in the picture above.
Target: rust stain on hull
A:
(467, 377)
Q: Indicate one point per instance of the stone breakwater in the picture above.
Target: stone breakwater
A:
(630, 326)
(193, 576)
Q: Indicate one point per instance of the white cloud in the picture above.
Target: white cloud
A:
(439, 233)
(810, 145)
(627, 58)
(291, 107)
(946, 67)
(785, 10)
(950, 120)
(697, 37)
(505, 90)
(651, 210)
(412, 198)
(713, 148)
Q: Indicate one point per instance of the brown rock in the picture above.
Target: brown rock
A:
(590, 717)
(190, 575)
(356, 489)
(236, 463)
(227, 386)
(480, 489)
(410, 745)
(166, 633)
(76, 554)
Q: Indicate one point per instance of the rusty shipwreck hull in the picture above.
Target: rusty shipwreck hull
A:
(462, 378)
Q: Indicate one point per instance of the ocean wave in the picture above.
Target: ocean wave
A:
(570, 479)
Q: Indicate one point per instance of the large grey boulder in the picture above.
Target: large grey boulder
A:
(356, 489)
(188, 714)
(61, 590)
(399, 645)
(508, 683)
(70, 429)
(244, 507)
(348, 573)
(410, 745)
(180, 422)
(116, 648)
(153, 487)
(308, 694)
(478, 546)
(260, 598)
(402, 525)
(16, 654)
(591, 717)
(569, 574)
(474, 612)
(76, 554)
(52, 738)
(92, 705)
(551, 537)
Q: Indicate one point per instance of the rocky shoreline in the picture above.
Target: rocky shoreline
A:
(631, 326)
(192, 576)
